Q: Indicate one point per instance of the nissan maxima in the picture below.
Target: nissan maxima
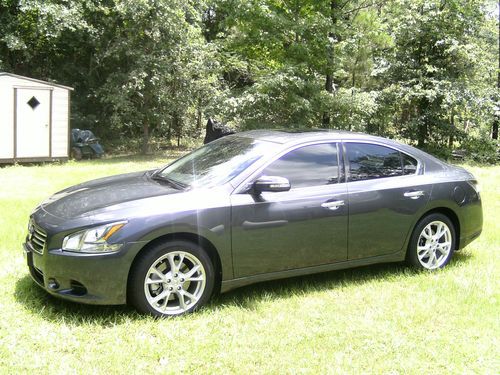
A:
(246, 208)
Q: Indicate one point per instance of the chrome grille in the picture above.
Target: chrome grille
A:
(36, 237)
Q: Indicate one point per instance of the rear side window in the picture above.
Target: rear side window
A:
(409, 164)
(312, 165)
(369, 161)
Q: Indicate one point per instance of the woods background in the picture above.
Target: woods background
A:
(150, 73)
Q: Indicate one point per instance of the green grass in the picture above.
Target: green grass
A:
(380, 319)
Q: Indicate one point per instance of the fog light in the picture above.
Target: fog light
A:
(52, 284)
(77, 288)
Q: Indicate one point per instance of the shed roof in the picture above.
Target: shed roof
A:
(36, 80)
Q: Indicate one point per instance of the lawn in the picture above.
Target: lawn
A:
(379, 319)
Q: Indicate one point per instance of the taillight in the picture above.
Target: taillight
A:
(476, 187)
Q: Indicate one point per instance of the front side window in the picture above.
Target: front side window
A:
(313, 165)
(369, 161)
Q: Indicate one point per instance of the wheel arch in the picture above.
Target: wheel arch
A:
(194, 238)
(450, 214)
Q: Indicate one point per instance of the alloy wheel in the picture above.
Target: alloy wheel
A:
(434, 245)
(174, 283)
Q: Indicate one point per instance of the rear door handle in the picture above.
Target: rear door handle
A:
(332, 205)
(414, 194)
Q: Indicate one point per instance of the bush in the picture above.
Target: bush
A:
(482, 150)
(439, 151)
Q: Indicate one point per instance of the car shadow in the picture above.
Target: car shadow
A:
(39, 302)
(249, 297)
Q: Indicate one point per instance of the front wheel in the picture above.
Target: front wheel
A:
(171, 279)
(432, 242)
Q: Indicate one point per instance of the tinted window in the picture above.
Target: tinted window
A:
(409, 164)
(307, 166)
(368, 161)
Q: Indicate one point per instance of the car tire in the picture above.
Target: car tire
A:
(171, 278)
(432, 242)
(76, 153)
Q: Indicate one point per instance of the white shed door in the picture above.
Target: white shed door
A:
(32, 119)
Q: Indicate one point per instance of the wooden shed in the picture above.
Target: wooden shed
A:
(34, 120)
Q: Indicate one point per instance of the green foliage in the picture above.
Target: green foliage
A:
(267, 102)
(419, 70)
(481, 150)
(432, 66)
(353, 109)
(165, 62)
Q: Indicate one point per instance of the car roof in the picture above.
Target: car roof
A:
(291, 137)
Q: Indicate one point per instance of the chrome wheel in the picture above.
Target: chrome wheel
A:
(434, 245)
(174, 283)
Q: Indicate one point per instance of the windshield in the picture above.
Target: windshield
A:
(217, 162)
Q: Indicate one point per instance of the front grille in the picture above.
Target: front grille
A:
(36, 237)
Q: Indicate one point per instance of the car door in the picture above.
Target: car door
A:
(386, 190)
(303, 227)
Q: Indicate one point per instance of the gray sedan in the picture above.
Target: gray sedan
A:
(250, 207)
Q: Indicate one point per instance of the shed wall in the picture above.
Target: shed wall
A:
(6, 118)
(60, 120)
(60, 126)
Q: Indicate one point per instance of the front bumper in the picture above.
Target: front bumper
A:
(99, 279)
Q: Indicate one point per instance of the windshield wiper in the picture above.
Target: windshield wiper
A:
(174, 183)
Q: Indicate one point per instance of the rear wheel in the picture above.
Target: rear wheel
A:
(76, 153)
(432, 242)
(173, 278)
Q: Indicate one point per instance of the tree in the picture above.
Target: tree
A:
(431, 64)
(287, 57)
(422, 70)
(159, 58)
(137, 66)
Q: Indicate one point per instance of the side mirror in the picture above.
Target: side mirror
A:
(271, 183)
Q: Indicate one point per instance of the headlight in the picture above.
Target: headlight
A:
(93, 240)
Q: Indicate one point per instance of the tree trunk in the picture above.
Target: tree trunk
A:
(353, 83)
(422, 134)
(328, 88)
(494, 130)
(177, 127)
(452, 130)
(422, 123)
(145, 137)
(332, 35)
(199, 114)
(169, 131)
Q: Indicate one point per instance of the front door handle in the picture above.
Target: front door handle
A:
(332, 205)
(263, 224)
(414, 194)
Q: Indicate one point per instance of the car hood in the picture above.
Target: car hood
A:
(81, 200)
